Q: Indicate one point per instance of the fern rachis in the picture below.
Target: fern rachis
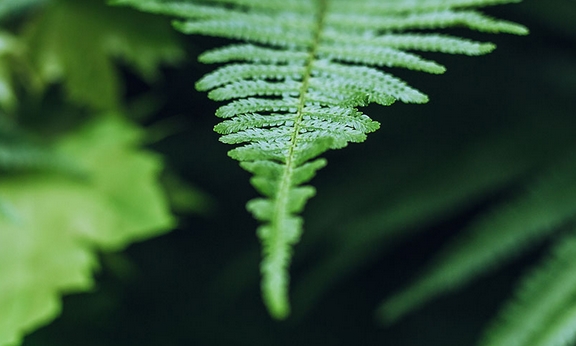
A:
(296, 85)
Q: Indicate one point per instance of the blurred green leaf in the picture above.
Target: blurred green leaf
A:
(9, 47)
(76, 42)
(48, 248)
(548, 202)
(543, 311)
(10, 7)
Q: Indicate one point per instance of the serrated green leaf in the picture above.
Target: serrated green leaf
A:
(48, 247)
(76, 42)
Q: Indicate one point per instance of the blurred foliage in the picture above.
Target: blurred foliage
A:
(48, 241)
(496, 138)
(75, 42)
(10, 8)
(74, 181)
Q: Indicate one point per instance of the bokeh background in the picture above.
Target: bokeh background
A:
(383, 208)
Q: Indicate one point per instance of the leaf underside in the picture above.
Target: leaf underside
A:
(296, 80)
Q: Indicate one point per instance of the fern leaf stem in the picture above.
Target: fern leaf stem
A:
(276, 292)
(307, 75)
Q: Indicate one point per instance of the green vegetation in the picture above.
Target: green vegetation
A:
(103, 140)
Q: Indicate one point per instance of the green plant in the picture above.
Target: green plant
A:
(297, 86)
(75, 181)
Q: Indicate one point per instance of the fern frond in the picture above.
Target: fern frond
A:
(238, 72)
(544, 313)
(370, 54)
(296, 83)
(249, 52)
(427, 20)
(429, 42)
(497, 236)
(404, 6)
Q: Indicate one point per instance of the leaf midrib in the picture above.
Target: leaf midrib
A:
(283, 196)
(285, 182)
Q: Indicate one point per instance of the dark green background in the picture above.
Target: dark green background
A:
(199, 284)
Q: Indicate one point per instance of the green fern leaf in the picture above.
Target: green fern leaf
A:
(544, 313)
(296, 83)
(497, 236)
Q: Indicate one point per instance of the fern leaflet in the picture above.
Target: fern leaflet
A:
(296, 82)
(544, 313)
(540, 211)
